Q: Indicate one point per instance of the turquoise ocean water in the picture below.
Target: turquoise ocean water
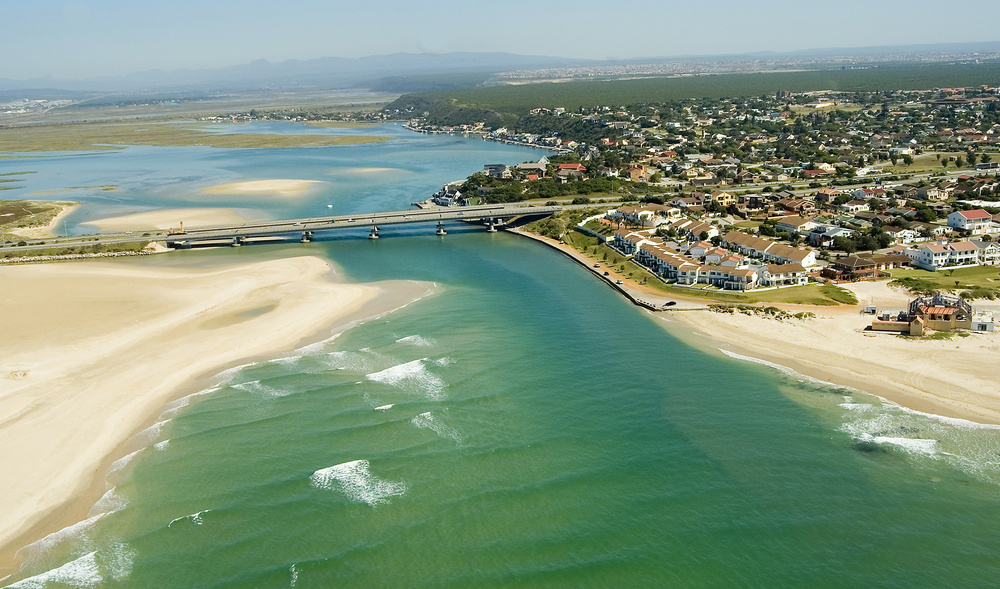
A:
(524, 427)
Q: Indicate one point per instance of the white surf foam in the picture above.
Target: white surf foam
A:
(416, 340)
(148, 436)
(119, 561)
(194, 517)
(40, 549)
(434, 423)
(173, 408)
(160, 446)
(256, 387)
(444, 361)
(295, 575)
(960, 443)
(384, 407)
(119, 464)
(412, 377)
(82, 572)
(110, 502)
(355, 480)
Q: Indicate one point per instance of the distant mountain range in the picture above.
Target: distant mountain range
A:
(323, 72)
(394, 72)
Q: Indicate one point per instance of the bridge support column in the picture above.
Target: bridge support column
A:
(237, 241)
(307, 236)
(374, 233)
(491, 226)
(440, 229)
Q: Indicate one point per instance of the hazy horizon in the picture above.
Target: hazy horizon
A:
(78, 39)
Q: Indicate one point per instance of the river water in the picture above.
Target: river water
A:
(523, 427)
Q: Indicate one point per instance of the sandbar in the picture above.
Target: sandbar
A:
(81, 374)
(48, 230)
(279, 187)
(950, 378)
(373, 170)
(169, 218)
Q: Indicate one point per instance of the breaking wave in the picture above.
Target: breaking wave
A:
(416, 340)
(411, 377)
(354, 480)
(434, 423)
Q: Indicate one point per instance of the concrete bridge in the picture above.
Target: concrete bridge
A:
(492, 216)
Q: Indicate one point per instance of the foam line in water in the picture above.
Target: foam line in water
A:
(961, 444)
(40, 549)
(434, 423)
(355, 480)
(411, 377)
(785, 370)
(384, 407)
(416, 340)
(110, 502)
(194, 517)
(82, 572)
(160, 446)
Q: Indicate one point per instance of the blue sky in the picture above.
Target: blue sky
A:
(84, 38)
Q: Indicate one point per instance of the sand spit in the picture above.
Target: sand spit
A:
(169, 218)
(262, 187)
(80, 374)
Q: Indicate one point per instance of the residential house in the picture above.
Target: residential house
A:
(853, 206)
(975, 221)
(940, 255)
(783, 275)
(795, 224)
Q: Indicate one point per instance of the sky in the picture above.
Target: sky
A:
(74, 39)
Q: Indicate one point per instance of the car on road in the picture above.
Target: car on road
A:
(597, 265)
(350, 220)
(619, 282)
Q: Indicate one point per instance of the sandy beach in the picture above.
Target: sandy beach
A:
(169, 218)
(49, 230)
(81, 374)
(262, 187)
(951, 378)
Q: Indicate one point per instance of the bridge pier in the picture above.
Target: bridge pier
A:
(237, 241)
(491, 226)
(374, 232)
(440, 229)
(307, 236)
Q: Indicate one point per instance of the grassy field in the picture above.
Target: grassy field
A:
(821, 295)
(980, 282)
(16, 214)
(97, 135)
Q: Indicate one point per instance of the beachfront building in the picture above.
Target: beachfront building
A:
(733, 278)
(942, 312)
(943, 255)
(769, 251)
(628, 243)
(782, 275)
(976, 221)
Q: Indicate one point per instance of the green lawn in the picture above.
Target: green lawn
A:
(980, 276)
